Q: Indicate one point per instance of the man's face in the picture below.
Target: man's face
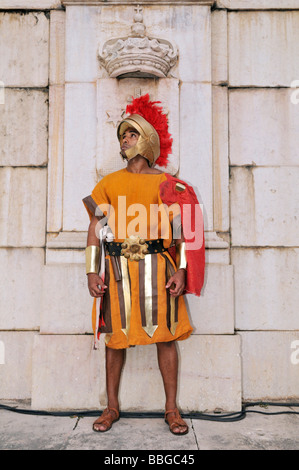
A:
(129, 139)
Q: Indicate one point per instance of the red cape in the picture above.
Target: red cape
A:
(193, 230)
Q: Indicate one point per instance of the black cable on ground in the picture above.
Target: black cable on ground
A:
(125, 414)
(264, 404)
(229, 417)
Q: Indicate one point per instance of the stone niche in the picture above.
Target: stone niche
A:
(88, 98)
(102, 54)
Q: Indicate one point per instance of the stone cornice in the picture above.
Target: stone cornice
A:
(141, 2)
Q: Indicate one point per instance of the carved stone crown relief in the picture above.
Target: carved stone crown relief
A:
(138, 55)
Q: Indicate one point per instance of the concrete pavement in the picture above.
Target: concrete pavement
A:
(255, 432)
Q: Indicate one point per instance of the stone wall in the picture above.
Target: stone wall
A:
(246, 323)
(263, 139)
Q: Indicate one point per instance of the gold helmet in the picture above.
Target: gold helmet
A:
(154, 142)
(148, 144)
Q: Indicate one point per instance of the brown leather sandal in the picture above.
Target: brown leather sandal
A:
(106, 419)
(176, 422)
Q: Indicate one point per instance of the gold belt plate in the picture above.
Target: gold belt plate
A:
(134, 248)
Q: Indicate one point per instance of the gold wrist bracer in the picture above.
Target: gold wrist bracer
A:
(92, 256)
(181, 259)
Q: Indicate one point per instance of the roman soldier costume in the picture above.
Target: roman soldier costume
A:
(136, 264)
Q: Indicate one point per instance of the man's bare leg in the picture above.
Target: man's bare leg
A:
(114, 364)
(168, 364)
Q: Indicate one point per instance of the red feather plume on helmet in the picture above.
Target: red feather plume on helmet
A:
(155, 116)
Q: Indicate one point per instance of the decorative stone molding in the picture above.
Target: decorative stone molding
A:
(138, 55)
(146, 2)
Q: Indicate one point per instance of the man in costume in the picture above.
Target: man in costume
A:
(137, 277)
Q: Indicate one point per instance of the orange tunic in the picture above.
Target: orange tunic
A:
(138, 309)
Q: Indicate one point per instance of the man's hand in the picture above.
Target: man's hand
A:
(177, 283)
(95, 285)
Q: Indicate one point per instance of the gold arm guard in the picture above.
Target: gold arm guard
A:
(181, 259)
(92, 256)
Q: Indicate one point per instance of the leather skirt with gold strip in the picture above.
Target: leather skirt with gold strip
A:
(137, 308)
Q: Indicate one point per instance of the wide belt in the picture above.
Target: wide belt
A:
(135, 248)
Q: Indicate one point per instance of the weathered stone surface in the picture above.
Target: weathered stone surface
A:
(57, 47)
(81, 42)
(263, 127)
(20, 288)
(30, 4)
(79, 153)
(266, 293)
(218, 256)
(213, 311)
(209, 376)
(264, 206)
(66, 303)
(56, 158)
(16, 365)
(220, 159)
(187, 26)
(66, 248)
(66, 240)
(65, 256)
(219, 46)
(257, 4)
(24, 127)
(270, 363)
(56, 120)
(24, 42)
(263, 48)
(65, 372)
(196, 160)
(23, 207)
